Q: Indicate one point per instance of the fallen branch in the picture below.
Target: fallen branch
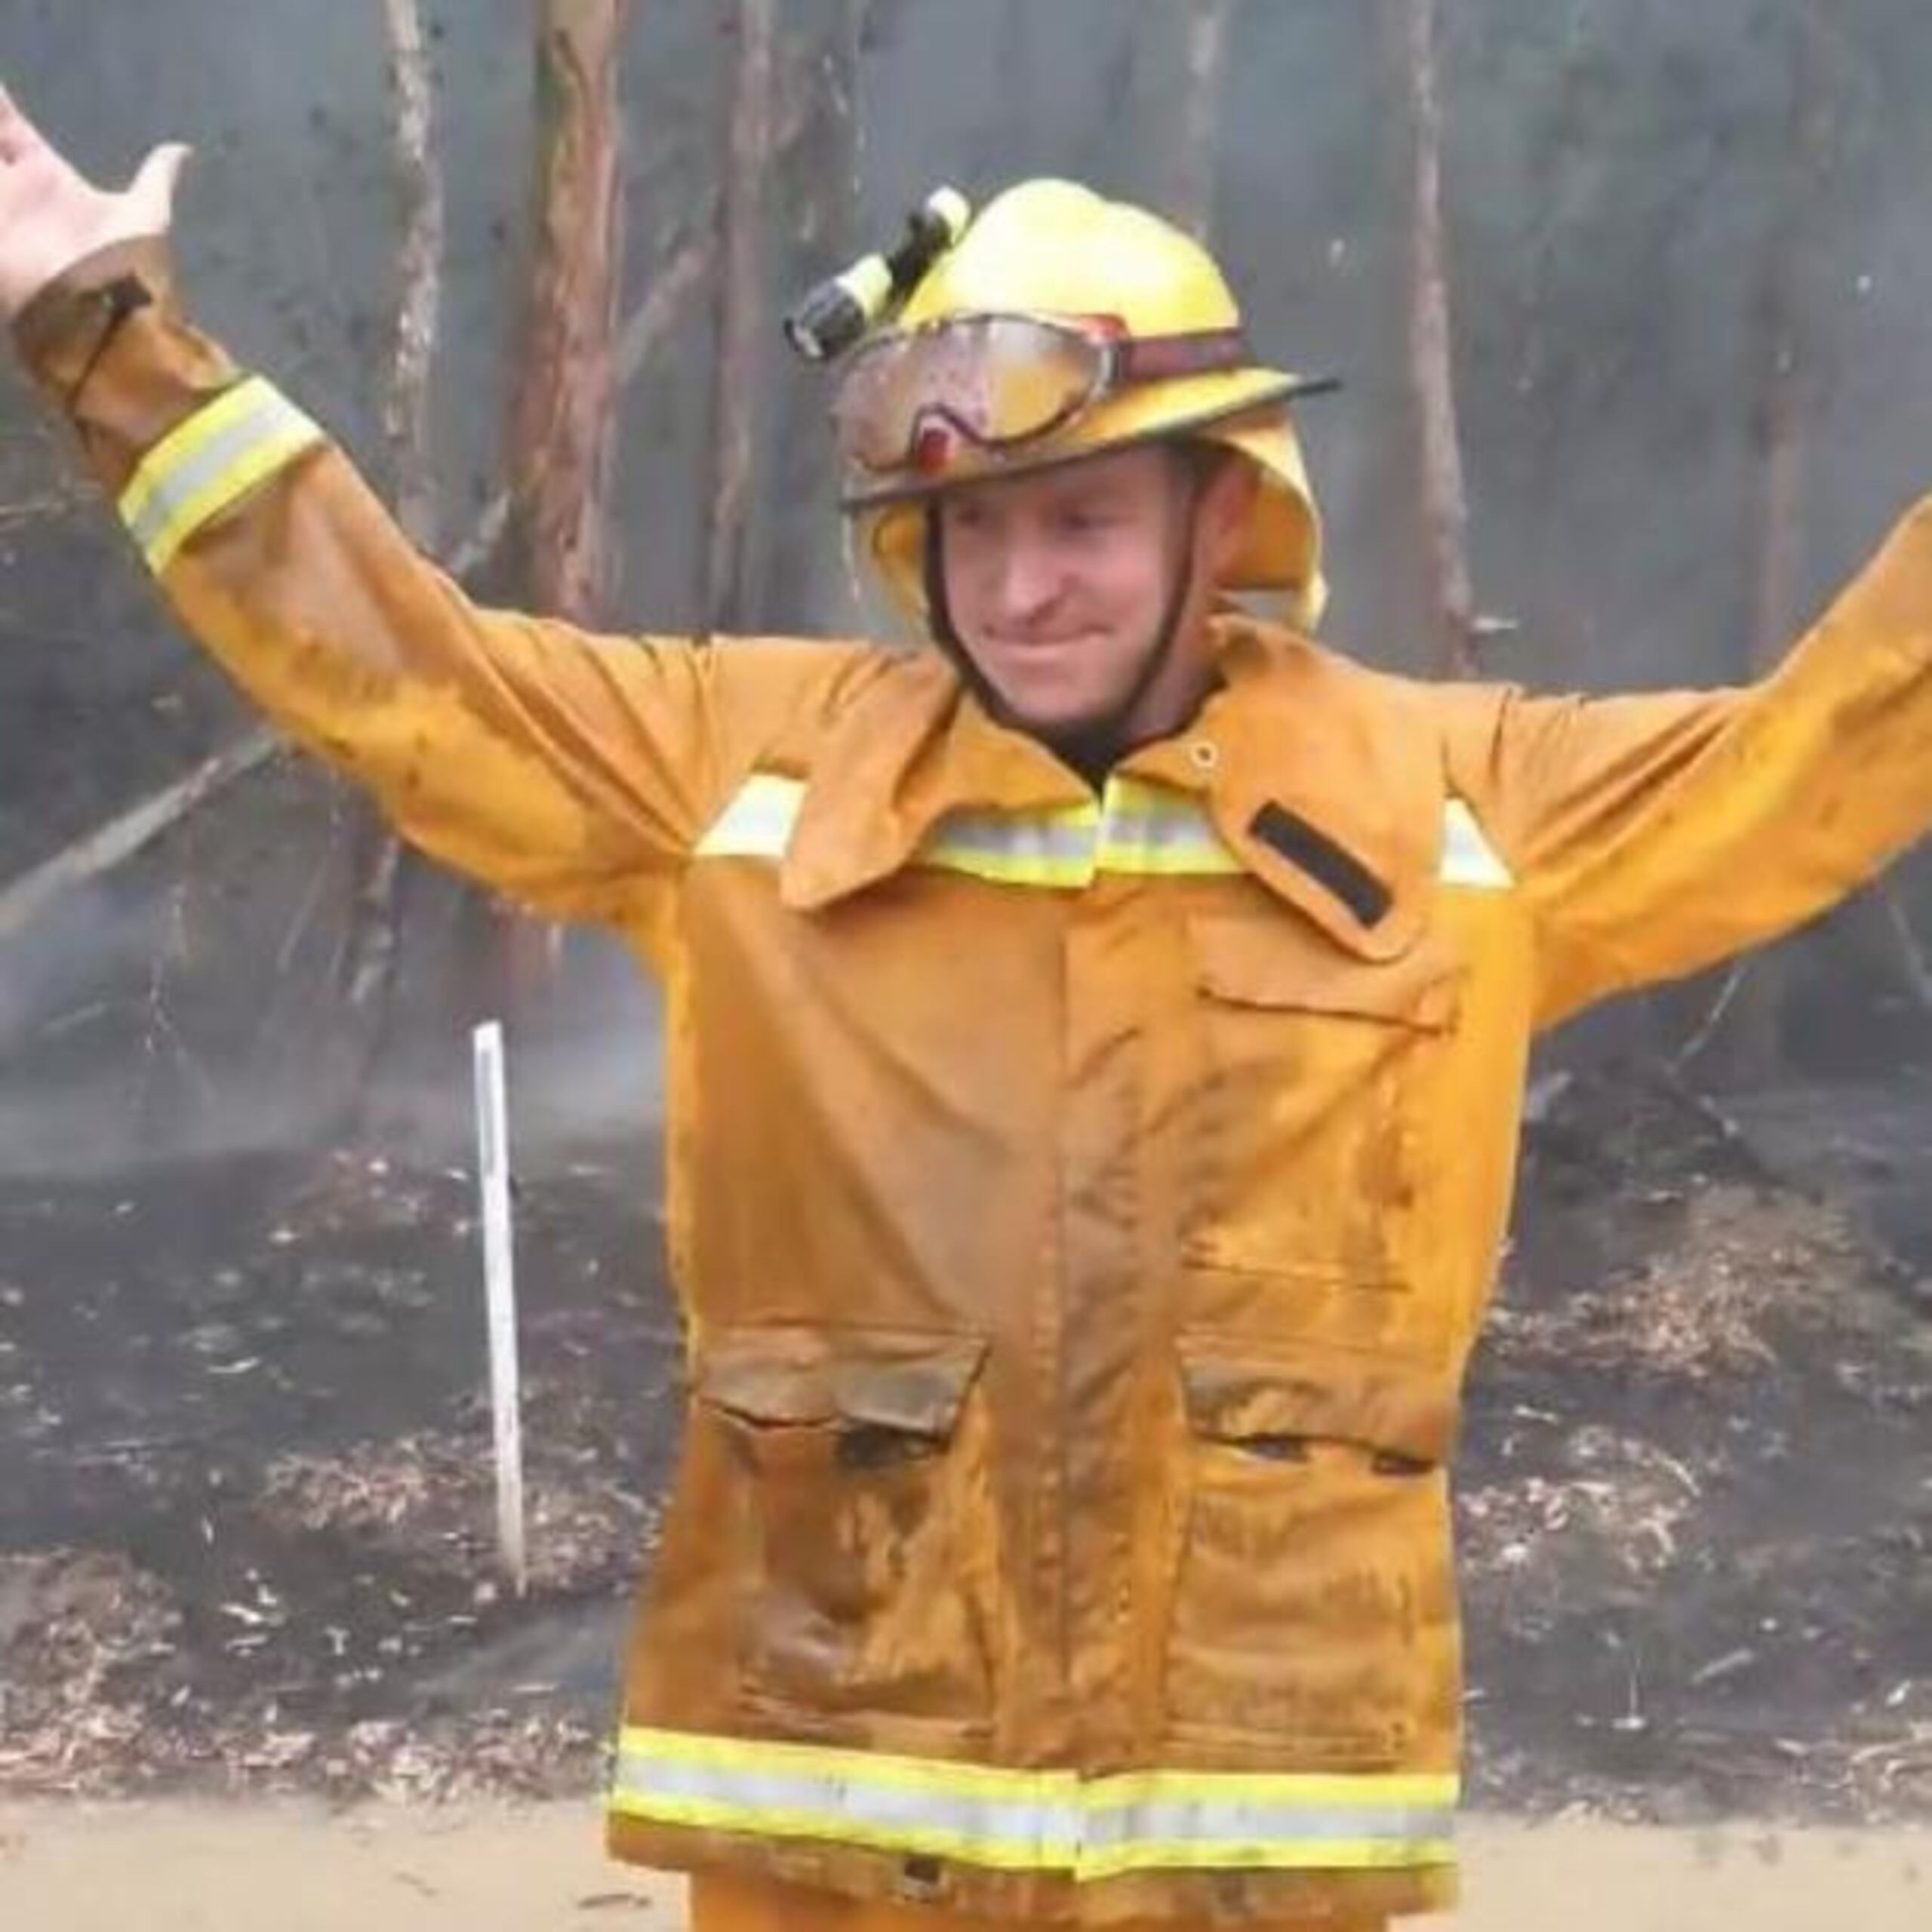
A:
(60, 502)
(1713, 1020)
(1913, 970)
(1703, 1108)
(121, 838)
(674, 281)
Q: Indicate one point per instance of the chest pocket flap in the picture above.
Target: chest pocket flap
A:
(885, 1379)
(1403, 1414)
(1259, 962)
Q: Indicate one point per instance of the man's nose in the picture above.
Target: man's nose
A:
(1029, 577)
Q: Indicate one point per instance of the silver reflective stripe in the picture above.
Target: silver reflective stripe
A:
(1167, 849)
(1138, 829)
(1132, 844)
(1016, 848)
(205, 465)
(1468, 857)
(1045, 1821)
(786, 1800)
(1147, 829)
(1235, 1831)
(758, 823)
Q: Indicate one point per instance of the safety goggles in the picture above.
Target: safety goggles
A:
(1000, 382)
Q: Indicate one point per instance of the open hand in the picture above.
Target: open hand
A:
(51, 216)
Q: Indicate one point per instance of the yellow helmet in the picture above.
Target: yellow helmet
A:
(1052, 249)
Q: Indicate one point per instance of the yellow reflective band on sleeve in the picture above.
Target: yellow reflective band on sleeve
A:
(209, 463)
(1468, 857)
(1053, 1821)
(758, 823)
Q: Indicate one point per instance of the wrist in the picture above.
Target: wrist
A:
(108, 344)
(62, 331)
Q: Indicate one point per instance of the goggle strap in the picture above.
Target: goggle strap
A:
(1154, 358)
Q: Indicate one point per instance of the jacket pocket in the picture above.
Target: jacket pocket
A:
(1312, 1606)
(1307, 1160)
(866, 1513)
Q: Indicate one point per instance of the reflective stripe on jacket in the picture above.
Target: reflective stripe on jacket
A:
(1083, 1208)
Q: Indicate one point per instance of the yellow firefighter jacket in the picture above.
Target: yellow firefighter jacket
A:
(1083, 1207)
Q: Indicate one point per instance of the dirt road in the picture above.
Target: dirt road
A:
(72, 1867)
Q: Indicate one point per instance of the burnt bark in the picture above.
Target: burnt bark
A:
(554, 555)
(742, 305)
(380, 867)
(405, 410)
(1753, 1049)
(816, 170)
(1442, 494)
(1191, 198)
(563, 422)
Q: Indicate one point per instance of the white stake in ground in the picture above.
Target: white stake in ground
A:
(493, 1171)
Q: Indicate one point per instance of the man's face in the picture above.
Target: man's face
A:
(1057, 583)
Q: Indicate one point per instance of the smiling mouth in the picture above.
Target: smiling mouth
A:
(1020, 646)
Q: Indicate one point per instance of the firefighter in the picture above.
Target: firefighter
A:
(1095, 1055)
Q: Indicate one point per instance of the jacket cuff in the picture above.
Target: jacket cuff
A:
(107, 342)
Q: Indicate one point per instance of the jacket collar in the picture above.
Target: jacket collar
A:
(915, 746)
(1320, 777)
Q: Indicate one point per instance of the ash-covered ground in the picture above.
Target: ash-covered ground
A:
(247, 1530)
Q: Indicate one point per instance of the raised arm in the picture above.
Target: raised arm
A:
(573, 773)
(1653, 835)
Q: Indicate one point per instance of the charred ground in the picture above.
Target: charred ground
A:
(246, 1536)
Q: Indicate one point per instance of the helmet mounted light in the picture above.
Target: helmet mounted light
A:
(835, 315)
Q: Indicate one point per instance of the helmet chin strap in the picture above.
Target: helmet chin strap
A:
(1095, 745)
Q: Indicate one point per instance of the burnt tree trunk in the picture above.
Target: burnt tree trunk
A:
(563, 417)
(741, 307)
(1191, 198)
(817, 168)
(1444, 502)
(405, 411)
(554, 555)
(1753, 1051)
(371, 954)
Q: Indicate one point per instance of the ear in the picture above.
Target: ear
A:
(1227, 504)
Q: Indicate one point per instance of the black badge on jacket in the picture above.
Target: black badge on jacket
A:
(1329, 865)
